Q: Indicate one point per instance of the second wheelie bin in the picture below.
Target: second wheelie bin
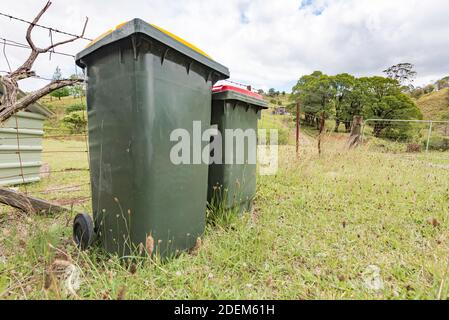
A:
(232, 183)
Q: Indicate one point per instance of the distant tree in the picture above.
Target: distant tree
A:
(62, 92)
(404, 73)
(57, 75)
(283, 93)
(345, 96)
(384, 100)
(316, 93)
(417, 93)
(77, 90)
(442, 84)
(260, 91)
(343, 85)
(271, 92)
(408, 89)
(429, 88)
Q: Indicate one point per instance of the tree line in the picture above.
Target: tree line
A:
(344, 96)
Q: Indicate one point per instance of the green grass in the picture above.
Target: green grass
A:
(274, 101)
(283, 123)
(55, 103)
(59, 108)
(68, 182)
(316, 226)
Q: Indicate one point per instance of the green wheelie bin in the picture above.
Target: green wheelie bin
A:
(142, 84)
(232, 181)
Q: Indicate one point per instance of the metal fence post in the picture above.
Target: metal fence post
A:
(428, 137)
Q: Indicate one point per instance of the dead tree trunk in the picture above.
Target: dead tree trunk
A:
(356, 132)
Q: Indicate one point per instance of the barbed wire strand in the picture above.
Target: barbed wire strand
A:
(17, 44)
(37, 77)
(52, 44)
(19, 138)
(43, 27)
(6, 57)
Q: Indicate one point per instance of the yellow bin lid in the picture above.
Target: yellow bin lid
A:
(168, 33)
(138, 26)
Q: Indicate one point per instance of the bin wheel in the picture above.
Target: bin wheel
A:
(83, 231)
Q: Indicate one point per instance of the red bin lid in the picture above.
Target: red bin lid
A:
(223, 88)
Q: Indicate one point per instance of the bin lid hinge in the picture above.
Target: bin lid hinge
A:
(209, 76)
(189, 66)
(164, 55)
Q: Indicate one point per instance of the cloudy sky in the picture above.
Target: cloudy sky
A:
(264, 43)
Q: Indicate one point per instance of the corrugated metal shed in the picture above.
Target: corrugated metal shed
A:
(21, 145)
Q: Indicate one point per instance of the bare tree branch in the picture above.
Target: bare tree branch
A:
(23, 71)
(68, 40)
(36, 95)
(9, 103)
(33, 23)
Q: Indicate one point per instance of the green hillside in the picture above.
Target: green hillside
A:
(278, 100)
(435, 105)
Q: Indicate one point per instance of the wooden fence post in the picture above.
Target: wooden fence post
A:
(298, 109)
(321, 125)
(356, 132)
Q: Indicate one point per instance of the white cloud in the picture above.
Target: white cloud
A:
(264, 43)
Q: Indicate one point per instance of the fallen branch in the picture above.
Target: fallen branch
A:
(29, 204)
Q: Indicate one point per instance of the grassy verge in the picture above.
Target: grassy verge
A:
(282, 123)
(317, 227)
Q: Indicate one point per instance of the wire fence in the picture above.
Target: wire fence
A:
(52, 165)
(415, 135)
(50, 29)
(55, 165)
(48, 161)
(4, 42)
